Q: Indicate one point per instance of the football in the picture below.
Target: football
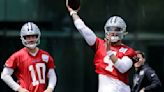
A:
(74, 4)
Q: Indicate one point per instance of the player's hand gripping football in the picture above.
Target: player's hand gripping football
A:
(73, 5)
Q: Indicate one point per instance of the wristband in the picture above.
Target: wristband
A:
(110, 53)
(72, 12)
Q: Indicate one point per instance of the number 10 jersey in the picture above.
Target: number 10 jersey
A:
(31, 71)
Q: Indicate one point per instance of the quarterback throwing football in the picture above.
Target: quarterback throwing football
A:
(112, 58)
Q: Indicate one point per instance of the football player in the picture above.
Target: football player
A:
(112, 58)
(33, 67)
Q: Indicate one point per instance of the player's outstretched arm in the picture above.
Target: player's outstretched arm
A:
(86, 32)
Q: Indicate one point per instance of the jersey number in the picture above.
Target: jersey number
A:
(40, 71)
(109, 62)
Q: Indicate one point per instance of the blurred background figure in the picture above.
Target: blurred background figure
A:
(145, 79)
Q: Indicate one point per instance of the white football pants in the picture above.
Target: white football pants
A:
(108, 84)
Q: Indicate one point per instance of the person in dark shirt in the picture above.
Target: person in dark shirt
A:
(145, 79)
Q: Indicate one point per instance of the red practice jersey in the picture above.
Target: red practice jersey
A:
(31, 71)
(104, 65)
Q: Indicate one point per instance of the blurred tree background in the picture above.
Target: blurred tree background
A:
(73, 58)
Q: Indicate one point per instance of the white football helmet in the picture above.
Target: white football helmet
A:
(30, 28)
(116, 24)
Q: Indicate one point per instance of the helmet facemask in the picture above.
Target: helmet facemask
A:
(117, 33)
(30, 43)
